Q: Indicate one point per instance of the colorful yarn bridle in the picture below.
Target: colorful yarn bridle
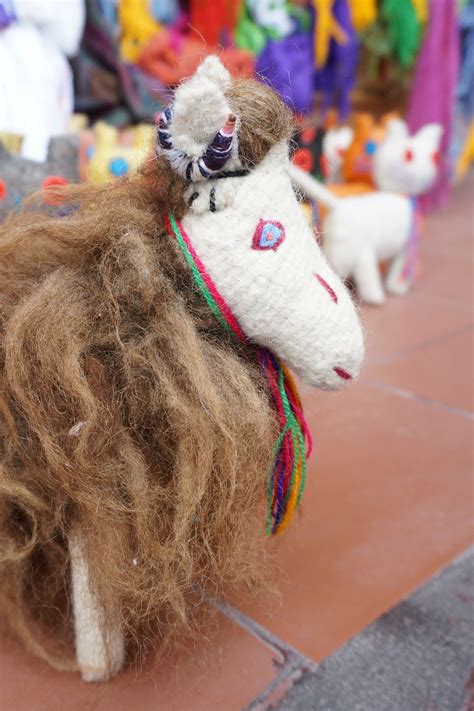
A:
(287, 477)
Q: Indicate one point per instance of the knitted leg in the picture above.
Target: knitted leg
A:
(100, 654)
(367, 278)
(394, 282)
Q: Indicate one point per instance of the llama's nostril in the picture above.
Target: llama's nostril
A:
(328, 288)
(342, 373)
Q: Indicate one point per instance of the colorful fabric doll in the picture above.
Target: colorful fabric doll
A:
(144, 407)
(364, 230)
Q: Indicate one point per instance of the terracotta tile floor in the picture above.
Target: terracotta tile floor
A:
(389, 501)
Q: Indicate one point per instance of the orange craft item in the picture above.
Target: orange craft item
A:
(357, 160)
(357, 164)
(170, 57)
(50, 196)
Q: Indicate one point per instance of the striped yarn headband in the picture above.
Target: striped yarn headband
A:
(286, 480)
(210, 164)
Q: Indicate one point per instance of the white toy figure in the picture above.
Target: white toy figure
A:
(36, 90)
(361, 232)
(335, 142)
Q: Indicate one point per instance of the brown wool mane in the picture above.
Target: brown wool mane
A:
(125, 410)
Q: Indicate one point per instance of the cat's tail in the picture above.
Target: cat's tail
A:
(312, 188)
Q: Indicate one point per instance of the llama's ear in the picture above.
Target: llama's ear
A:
(431, 135)
(200, 108)
(396, 128)
(213, 70)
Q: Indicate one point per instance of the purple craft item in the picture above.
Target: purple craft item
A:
(433, 88)
(287, 66)
(336, 79)
(7, 13)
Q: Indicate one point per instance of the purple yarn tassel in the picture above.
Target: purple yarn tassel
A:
(433, 88)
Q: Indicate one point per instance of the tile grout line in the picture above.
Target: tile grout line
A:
(290, 673)
(293, 663)
(409, 395)
(261, 633)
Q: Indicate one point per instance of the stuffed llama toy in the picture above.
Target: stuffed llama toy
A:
(145, 404)
(362, 231)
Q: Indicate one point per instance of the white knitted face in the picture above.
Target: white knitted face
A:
(264, 260)
(408, 164)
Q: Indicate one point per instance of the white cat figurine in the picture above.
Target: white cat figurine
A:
(362, 231)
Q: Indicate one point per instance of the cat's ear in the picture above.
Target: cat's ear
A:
(396, 128)
(430, 135)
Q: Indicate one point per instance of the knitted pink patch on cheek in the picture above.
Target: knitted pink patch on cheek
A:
(268, 235)
(328, 288)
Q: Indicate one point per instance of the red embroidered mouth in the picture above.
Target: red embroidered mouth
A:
(342, 373)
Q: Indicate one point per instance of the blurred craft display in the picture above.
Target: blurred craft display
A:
(317, 54)
(110, 157)
(362, 231)
(20, 176)
(299, 47)
(36, 90)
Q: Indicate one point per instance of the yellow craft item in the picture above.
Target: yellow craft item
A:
(326, 28)
(112, 159)
(421, 9)
(11, 141)
(466, 159)
(137, 27)
(363, 13)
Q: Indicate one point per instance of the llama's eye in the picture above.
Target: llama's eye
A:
(408, 155)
